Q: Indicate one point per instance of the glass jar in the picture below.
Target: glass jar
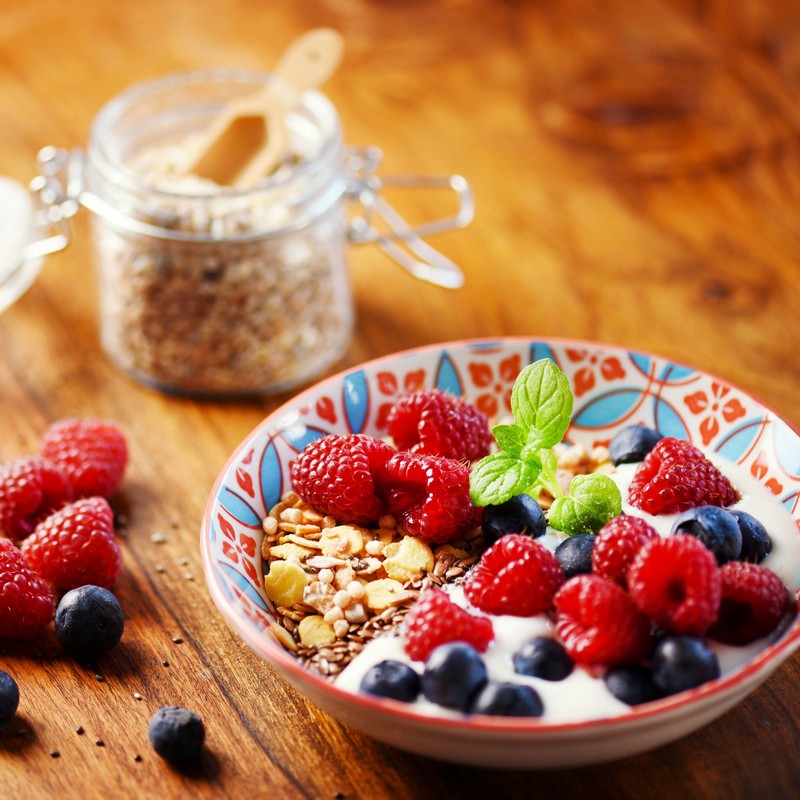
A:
(207, 290)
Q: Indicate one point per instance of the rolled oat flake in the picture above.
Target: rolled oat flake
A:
(204, 289)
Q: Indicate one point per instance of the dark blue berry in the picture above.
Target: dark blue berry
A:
(542, 657)
(632, 444)
(632, 684)
(177, 734)
(575, 554)
(715, 527)
(9, 699)
(454, 674)
(508, 700)
(756, 544)
(520, 514)
(393, 679)
(683, 662)
(89, 621)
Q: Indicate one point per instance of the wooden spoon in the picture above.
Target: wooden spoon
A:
(248, 138)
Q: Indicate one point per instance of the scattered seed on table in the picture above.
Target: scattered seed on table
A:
(55, 754)
(160, 568)
(189, 576)
(137, 696)
(184, 561)
(158, 538)
(80, 730)
(165, 663)
(137, 757)
(100, 743)
(177, 640)
(100, 678)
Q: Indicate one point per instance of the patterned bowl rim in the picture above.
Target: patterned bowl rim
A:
(744, 678)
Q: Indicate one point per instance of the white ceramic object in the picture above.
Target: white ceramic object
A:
(613, 388)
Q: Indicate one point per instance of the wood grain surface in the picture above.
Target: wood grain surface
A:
(636, 169)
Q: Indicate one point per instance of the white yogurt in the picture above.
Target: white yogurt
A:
(582, 695)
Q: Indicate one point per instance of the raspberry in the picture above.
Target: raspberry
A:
(516, 575)
(20, 495)
(675, 476)
(337, 474)
(676, 582)
(76, 545)
(430, 496)
(439, 424)
(26, 602)
(599, 624)
(435, 619)
(617, 543)
(92, 453)
(753, 601)
(29, 490)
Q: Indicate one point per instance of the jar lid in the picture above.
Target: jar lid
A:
(19, 264)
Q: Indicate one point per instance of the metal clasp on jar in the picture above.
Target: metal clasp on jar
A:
(395, 236)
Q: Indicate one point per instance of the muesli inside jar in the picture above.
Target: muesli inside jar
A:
(205, 289)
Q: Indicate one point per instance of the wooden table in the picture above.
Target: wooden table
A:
(636, 168)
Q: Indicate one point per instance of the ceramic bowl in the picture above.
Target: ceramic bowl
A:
(613, 388)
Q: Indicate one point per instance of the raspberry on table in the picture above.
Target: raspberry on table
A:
(617, 544)
(26, 601)
(437, 423)
(429, 495)
(435, 620)
(20, 495)
(754, 599)
(76, 546)
(676, 582)
(516, 575)
(338, 474)
(92, 453)
(599, 624)
(676, 476)
(30, 488)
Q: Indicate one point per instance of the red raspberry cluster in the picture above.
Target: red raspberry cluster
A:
(424, 481)
(641, 581)
(54, 508)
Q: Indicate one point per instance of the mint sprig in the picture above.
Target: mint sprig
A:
(541, 404)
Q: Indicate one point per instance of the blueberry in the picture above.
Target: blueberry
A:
(632, 444)
(520, 514)
(508, 700)
(683, 662)
(89, 621)
(177, 734)
(454, 674)
(9, 699)
(575, 554)
(632, 684)
(393, 679)
(715, 527)
(756, 544)
(542, 657)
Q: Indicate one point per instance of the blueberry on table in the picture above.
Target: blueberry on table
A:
(177, 734)
(632, 444)
(393, 679)
(715, 527)
(542, 657)
(575, 554)
(520, 514)
(505, 699)
(454, 673)
(756, 543)
(632, 684)
(683, 662)
(89, 621)
(9, 699)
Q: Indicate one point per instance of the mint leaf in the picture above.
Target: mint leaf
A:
(500, 476)
(509, 438)
(541, 402)
(548, 477)
(592, 501)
